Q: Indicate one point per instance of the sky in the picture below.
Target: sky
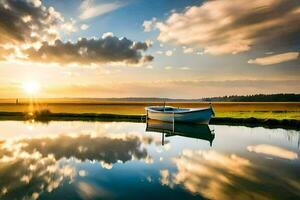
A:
(142, 48)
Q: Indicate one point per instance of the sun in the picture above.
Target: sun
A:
(31, 87)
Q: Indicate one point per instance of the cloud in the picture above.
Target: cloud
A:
(31, 32)
(27, 22)
(149, 67)
(149, 25)
(89, 9)
(230, 27)
(188, 50)
(69, 26)
(178, 81)
(233, 83)
(107, 34)
(169, 53)
(275, 59)
(184, 68)
(84, 27)
(87, 51)
(274, 151)
(147, 58)
(36, 3)
(190, 88)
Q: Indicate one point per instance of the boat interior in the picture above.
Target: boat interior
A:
(169, 108)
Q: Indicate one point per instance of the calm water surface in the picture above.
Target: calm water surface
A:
(120, 160)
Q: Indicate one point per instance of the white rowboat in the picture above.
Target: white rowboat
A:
(172, 114)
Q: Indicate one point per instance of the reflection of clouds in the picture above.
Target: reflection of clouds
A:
(207, 172)
(82, 173)
(105, 165)
(275, 151)
(90, 191)
(163, 148)
(149, 179)
(29, 167)
(165, 176)
(219, 176)
(85, 147)
(25, 177)
(148, 160)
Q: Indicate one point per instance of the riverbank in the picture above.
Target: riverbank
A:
(47, 116)
(252, 109)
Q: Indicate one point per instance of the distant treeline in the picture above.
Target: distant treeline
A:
(257, 98)
(233, 98)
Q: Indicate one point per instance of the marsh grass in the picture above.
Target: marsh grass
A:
(279, 111)
(278, 115)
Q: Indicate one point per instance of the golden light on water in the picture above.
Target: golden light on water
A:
(31, 87)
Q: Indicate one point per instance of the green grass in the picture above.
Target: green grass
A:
(278, 111)
(262, 115)
(46, 116)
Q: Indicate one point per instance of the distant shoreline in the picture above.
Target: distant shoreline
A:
(280, 97)
(45, 118)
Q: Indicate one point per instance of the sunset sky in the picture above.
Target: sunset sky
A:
(143, 48)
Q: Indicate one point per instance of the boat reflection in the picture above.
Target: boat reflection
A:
(197, 131)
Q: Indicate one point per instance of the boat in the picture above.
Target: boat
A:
(186, 115)
(196, 131)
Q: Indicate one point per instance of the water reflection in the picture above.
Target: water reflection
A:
(85, 147)
(196, 131)
(274, 151)
(92, 191)
(75, 160)
(26, 176)
(29, 167)
(221, 176)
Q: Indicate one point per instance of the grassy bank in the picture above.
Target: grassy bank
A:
(268, 110)
(271, 114)
(137, 108)
(276, 115)
(48, 116)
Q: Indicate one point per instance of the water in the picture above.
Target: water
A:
(121, 160)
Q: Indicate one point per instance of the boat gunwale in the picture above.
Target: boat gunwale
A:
(190, 110)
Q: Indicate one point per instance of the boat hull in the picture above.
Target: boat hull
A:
(201, 116)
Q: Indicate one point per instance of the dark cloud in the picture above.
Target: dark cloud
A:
(30, 28)
(148, 58)
(87, 51)
(140, 45)
(23, 21)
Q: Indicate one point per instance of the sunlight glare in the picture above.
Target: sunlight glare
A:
(31, 87)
